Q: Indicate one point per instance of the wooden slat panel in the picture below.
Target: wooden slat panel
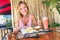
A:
(0, 35)
(3, 32)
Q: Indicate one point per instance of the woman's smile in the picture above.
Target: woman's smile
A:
(23, 9)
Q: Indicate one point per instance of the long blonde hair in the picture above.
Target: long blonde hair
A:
(20, 2)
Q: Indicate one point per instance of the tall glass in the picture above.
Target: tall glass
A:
(45, 22)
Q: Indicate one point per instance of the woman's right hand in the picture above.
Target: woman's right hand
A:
(15, 29)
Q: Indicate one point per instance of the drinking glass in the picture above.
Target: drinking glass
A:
(45, 22)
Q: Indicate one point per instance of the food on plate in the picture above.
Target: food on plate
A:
(30, 30)
(37, 27)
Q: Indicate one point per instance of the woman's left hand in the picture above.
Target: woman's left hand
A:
(15, 29)
(39, 23)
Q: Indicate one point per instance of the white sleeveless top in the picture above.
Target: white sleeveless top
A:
(22, 26)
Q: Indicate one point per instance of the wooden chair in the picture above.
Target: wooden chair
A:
(5, 37)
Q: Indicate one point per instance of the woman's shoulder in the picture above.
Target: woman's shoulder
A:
(32, 15)
(19, 19)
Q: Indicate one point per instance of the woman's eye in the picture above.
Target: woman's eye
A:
(25, 7)
(20, 8)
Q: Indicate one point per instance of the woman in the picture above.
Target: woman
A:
(26, 19)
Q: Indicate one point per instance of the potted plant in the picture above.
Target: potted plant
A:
(8, 22)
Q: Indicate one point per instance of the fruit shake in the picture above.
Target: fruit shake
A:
(45, 22)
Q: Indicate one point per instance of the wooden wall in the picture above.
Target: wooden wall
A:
(56, 16)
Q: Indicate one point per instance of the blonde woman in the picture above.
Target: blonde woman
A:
(26, 19)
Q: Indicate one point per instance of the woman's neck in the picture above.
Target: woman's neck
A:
(25, 16)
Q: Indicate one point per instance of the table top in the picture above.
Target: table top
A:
(47, 36)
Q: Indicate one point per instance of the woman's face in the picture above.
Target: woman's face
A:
(23, 9)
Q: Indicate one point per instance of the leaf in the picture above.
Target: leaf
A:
(47, 3)
(54, 25)
(8, 23)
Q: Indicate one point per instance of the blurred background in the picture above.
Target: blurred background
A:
(9, 12)
(5, 17)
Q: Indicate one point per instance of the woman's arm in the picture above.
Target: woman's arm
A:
(16, 28)
(34, 20)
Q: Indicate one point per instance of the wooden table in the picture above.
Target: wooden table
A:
(48, 36)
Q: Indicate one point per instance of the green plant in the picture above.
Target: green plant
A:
(52, 3)
(9, 23)
(54, 25)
